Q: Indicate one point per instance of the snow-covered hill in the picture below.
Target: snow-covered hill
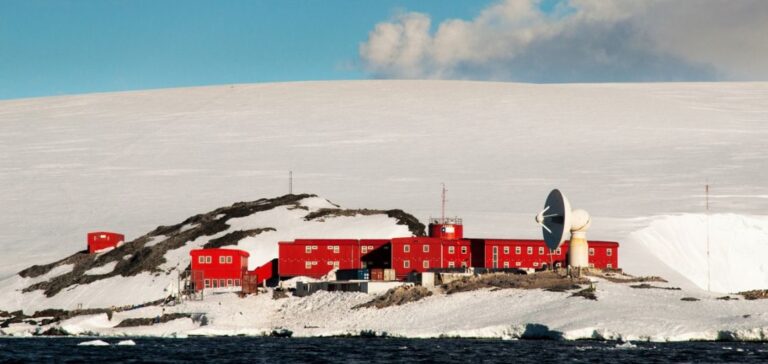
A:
(631, 154)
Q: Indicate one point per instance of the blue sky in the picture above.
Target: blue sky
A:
(68, 47)
(57, 47)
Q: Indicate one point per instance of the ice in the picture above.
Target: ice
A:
(93, 343)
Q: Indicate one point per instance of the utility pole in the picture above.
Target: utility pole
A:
(709, 266)
(290, 182)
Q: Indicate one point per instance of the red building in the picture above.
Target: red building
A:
(419, 254)
(316, 257)
(100, 240)
(218, 268)
(534, 254)
(375, 253)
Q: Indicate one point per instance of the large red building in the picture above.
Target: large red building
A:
(420, 254)
(316, 257)
(218, 268)
(534, 254)
(100, 240)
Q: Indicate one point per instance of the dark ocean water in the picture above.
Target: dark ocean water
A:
(374, 350)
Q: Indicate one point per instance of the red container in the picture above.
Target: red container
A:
(377, 274)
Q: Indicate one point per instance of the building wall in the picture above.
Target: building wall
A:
(316, 257)
(534, 254)
(375, 253)
(218, 267)
(419, 254)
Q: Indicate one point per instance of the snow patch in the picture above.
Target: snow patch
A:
(104, 269)
(94, 343)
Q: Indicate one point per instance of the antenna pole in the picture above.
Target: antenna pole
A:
(709, 266)
(290, 182)
(442, 210)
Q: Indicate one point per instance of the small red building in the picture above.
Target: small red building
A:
(218, 268)
(534, 254)
(316, 257)
(446, 228)
(100, 240)
(420, 254)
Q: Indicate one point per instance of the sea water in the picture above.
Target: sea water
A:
(372, 350)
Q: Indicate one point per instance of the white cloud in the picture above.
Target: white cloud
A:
(583, 40)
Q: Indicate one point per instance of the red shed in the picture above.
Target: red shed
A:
(419, 254)
(100, 240)
(220, 268)
(316, 257)
(534, 254)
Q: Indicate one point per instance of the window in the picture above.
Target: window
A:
(451, 250)
(506, 250)
(609, 252)
(215, 283)
(609, 265)
(207, 283)
(208, 259)
(425, 248)
(230, 283)
(463, 250)
(557, 251)
(406, 264)
(518, 250)
(506, 264)
(406, 248)
(308, 249)
(314, 247)
(314, 262)
(463, 264)
(535, 264)
(541, 250)
(451, 265)
(307, 265)
(530, 250)
(329, 262)
(222, 282)
(229, 260)
(517, 264)
(336, 264)
(364, 249)
(335, 249)
(370, 247)
(591, 252)
(222, 259)
(425, 264)
(237, 283)
(201, 259)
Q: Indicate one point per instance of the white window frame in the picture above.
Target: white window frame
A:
(229, 259)
(364, 249)
(529, 250)
(518, 250)
(406, 263)
(425, 264)
(518, 264)
(237, 283)
(541, 250)
(506, 264)
(463, 264)
(591, 252)
(201, 259)
(222, 259)
(308, 249)
(608, 252)
(230, 283)
(535, 264)
(451, 265)
(336, 264)
(506, 250)
(425, 248)
(307, 265)
(451, 250)
(208, 259)
(609, 266)
(336, 249)
(406, 248)
(463, 250)
(207, 283)
(558, 251)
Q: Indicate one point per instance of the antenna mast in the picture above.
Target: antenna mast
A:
(442, 210)
(709, 267)
(290, 182)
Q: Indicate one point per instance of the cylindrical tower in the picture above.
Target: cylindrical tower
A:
(578, 248)
(446, 228)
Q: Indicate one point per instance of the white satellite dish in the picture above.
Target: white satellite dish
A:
(557, 219)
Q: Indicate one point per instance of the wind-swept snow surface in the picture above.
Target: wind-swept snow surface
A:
(129, 161)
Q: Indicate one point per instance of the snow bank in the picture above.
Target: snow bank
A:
(738, 246)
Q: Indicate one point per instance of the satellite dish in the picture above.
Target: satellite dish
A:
(555, 219)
